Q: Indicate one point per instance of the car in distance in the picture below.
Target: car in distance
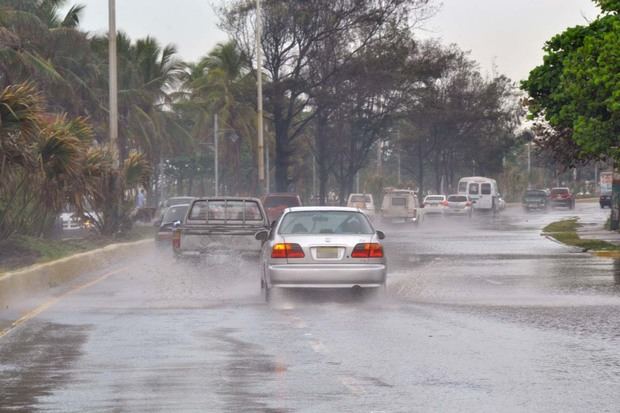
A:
(174, 215)
(276, 203)
(322, 247)
(363, 202)
(535, 199)
(605, 200)
(433, 204)
(400, 206)
(458, 205)
(562, 196)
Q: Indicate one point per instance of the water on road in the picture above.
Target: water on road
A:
(481, 315)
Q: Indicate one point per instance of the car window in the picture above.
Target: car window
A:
(324, 222)
(434, 198)
(360, 198)
(473, 189)
(457, 198)
(559, 191)
(175, 213)
(222, 210)
(485, 189)
(399, 202)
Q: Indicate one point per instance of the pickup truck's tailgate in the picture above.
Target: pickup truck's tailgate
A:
(219, 242)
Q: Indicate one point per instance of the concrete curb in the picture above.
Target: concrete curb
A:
(41, 277)
(607, 254)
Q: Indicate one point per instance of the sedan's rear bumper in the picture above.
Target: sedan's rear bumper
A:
(465, 211)
(326, 275)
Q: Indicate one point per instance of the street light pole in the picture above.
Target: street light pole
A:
(398, 152)
(216, 157)
(259, 97)
(113, 82)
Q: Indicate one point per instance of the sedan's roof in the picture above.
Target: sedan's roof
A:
(322, 208)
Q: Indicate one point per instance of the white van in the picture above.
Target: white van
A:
(482, 191)
(400, 206)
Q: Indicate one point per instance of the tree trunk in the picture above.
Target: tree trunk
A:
(420, 168)
(322, 152)
(283, 153)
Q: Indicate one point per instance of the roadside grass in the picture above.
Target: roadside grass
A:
(565, 231)
(21, 251)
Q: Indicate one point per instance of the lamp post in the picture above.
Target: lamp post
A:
(259, 98)
(113, 82)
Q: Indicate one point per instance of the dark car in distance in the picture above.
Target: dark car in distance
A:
(562, 196)
(276, 203)
(172, 214)
(605, 200)
(535, 199)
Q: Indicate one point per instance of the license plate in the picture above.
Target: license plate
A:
(327, 252)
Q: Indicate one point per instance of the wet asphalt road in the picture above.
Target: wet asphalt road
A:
(481, 316)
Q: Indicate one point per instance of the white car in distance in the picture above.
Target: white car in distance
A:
(363, 202)
(458, 205)
(434, 204)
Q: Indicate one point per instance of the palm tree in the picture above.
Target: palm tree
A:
(220, 84)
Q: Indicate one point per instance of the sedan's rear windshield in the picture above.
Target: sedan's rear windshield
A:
(457, 198)
(559, 191)
(287, 201)
(360, 198)
(434, 198)
(325, 222)
(221, 210)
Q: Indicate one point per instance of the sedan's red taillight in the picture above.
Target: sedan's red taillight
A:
(368, 250)
(444, 203)
(287, 251)
(176, 239)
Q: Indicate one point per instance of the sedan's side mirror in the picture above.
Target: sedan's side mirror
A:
(176, 224)
(262, 235)
(380, 234)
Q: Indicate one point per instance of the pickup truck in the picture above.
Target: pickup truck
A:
(220, 226)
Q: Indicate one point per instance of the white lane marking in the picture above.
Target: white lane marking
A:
(493, 281)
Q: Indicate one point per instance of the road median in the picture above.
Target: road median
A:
(38, 278)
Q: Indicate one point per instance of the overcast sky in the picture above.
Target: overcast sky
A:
(506, 33)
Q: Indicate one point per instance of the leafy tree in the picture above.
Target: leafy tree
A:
(291, 32)
(576, 91)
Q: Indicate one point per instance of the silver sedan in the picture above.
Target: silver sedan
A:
(329, 247)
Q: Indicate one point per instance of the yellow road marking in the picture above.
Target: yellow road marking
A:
(32, 314)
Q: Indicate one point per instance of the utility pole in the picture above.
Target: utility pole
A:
(267, 174)
(398, 152)
(216, 157)
(259, 97)
(113, 82)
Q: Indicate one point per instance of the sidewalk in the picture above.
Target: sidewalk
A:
(597, 231)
